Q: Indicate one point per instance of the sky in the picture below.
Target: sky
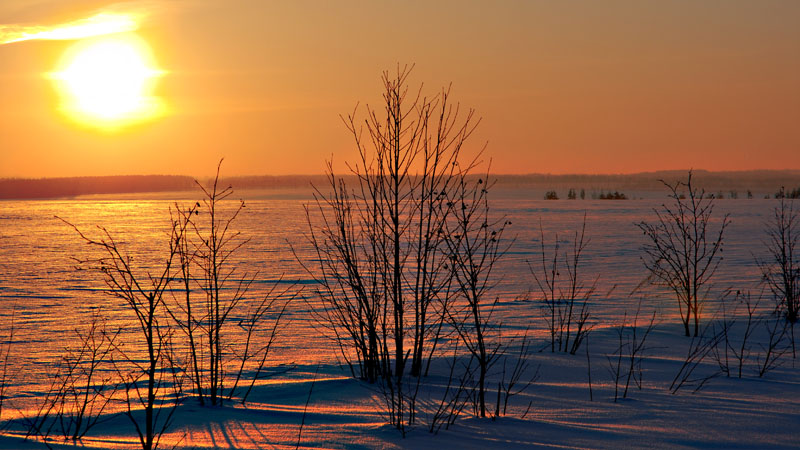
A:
(578, 86)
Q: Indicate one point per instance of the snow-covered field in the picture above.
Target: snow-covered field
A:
(49, 299)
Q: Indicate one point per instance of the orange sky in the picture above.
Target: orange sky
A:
(562, 86)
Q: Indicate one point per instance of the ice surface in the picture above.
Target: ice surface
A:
(50, 299)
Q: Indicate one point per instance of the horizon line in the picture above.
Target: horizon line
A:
(520, 174)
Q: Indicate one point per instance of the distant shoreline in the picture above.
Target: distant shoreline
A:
(757, 181)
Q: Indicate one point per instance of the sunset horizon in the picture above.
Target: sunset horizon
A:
(619, 88)
(422, 224)
(210, 174)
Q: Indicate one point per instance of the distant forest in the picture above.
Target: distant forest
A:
(38, 188)
(767, 181)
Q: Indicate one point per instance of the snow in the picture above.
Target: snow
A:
(345, 413)
(728, 412)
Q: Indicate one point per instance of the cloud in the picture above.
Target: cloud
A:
(96, 25)
(115, 18)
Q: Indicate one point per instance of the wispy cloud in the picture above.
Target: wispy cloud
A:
(96, 25)
(114, 18)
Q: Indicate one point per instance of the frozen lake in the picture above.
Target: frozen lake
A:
(49, 298)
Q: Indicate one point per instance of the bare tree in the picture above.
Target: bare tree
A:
(213, 291)
(82, 387)
(565, 300)
(683, 252)
(781, 272)
(379, 244)
(199, 259)
(475, 244)
(354, 310)
(383, 268)
(216, 244)
(147, 380)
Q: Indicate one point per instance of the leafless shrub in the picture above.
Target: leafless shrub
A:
(272, 307)
(454, 399)
(683, 253)
(380, 243)
(515, 377)
(354, 312)
(210, 246)
(89, 384)
(637, 346)
(739, 352)
(732, 355)
(405, 256)
(589, 369)
(152, 389)
(305, 408)
(81, 388)
(475, 243)
(212, 294)
(6, 378)
(625, 364)
(781, 271)
(565, 300)
(399, 396)
(149, 382)
(777, 330)
(383, 270)
(699, 348)
(615, 361)
(37, 423)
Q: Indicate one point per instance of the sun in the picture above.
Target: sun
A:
(108, 82)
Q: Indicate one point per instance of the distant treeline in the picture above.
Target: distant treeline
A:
(275, 181)
(756, 180)
(20, 188)
(38, 188)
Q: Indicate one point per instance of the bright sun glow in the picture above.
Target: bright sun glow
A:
(108, 82)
